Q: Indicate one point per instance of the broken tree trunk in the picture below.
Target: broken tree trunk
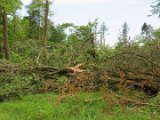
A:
(43, 69)
(114, 78)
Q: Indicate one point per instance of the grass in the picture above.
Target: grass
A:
(82, 106)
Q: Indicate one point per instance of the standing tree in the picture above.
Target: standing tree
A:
(36, 13)
(95, 29)
(46, 22)
(123, 37)
(146, 31)
(0, 37)
(7, 8)
(125, 32)
(103, 30)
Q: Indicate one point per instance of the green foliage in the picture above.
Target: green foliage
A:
(155, 102)
(61, 80)
(17, 82)
(156, 34)
(146, 31)
(156, 8)
(123, 37)
(36, 5)
(18, 29)
(57, 33)
(10, 6)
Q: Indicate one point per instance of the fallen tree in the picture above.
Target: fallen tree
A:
(43, 78)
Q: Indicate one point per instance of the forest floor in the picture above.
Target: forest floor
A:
(78, 106)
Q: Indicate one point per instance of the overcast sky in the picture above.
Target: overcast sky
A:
(112, 12)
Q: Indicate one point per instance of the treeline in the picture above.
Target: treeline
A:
(38, 26)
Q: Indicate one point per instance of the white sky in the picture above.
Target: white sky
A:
(112, 12)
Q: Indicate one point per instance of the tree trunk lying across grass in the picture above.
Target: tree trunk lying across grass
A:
(114, 79)
(42, 69)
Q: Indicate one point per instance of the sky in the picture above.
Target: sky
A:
(113, 12)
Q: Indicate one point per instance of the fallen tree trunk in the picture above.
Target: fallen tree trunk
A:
(42, 69)
(114, 78)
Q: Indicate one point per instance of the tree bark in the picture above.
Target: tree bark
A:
(39, 30)
(5, 35)
(0, 48)
(46, 23)
(91, 38)
(103, 34)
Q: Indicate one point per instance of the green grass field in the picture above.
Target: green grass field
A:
(83, 106)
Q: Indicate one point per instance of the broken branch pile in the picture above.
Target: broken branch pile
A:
(146, 81)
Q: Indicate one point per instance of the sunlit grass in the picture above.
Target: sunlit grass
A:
(82, 106)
